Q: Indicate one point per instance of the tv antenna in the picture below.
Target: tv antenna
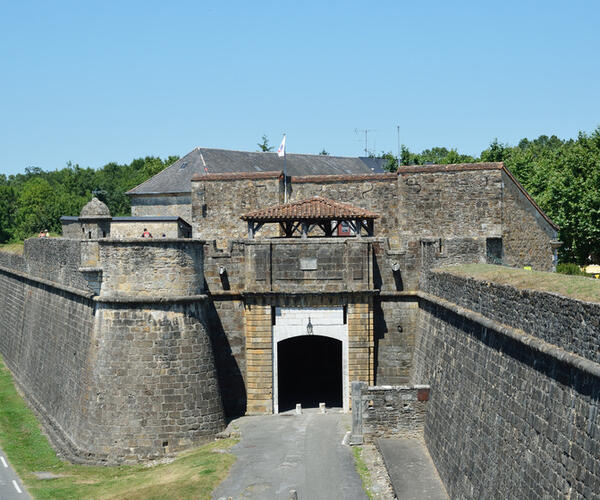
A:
(366, 132)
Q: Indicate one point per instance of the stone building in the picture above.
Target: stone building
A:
(267, 285)
(266, 290)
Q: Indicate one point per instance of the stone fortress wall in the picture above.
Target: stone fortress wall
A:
(170, 335)
(121, 371)
(515, 389)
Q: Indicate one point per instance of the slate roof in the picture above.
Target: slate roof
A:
(315, 208)
(202, 161)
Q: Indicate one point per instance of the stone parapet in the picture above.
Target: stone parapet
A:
(513, 410)
(151, 268)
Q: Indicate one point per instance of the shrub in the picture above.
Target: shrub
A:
(570, 268)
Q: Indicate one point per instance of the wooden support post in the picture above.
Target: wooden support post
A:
(358, 226)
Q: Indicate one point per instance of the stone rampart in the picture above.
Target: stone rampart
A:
(45, 340)
(151, 268)
(515, 393)
(128, 374)
(571, 324)
(55, 259)
(153, 384)
(12, 261)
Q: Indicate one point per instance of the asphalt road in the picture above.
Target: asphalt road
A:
(11, 487)
(279, 453)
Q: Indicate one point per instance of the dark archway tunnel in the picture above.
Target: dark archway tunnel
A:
(309, 372)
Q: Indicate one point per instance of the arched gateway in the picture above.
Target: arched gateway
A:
(309, 314)
(310, 357)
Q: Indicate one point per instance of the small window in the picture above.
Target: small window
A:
(493, 251)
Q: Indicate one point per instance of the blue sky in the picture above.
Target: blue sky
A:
(94, 82)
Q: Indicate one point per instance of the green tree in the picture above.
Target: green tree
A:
(264, 146)
(7, 208)
(34, 208)
(324, 152)
(496, 151)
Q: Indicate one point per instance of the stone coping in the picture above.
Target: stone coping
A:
(133, 299)
(535, 343)
(146, 241)
(326, 178)
(397, 387)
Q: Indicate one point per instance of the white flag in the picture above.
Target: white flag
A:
(281, 150)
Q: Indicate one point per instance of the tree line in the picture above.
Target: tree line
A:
(35, 200)
(563, 176)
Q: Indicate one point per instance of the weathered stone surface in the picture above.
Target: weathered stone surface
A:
(571, 324)
(153, 385)
(395, 325)
(392, 411)
(154, 268)
(505, 420)
(218, 205)
(525, 233)
(176, 204)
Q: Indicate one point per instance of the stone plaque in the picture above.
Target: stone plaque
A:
(308, 264)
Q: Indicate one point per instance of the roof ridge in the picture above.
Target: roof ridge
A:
(275, 152)
(158, 173)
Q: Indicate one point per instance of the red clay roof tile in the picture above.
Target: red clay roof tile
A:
(316, 208)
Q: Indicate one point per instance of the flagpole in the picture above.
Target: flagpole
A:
(284, 171)
(284, 178)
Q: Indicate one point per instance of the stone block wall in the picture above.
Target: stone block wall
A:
(375, 192)
(393, 411)
(573, 325)
(134, 229)
(45, 340)
(153, 383)
(219, 200)
(55, 259)
(525, 231)
(457, 202)
(395, 325)
(124, 376)
(259, 357)
(311, 265)
(511, 415)
(225, 317)
(174, 204)
(12, 261)
(156, 268)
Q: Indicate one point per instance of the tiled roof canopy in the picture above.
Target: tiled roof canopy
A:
(316, 208)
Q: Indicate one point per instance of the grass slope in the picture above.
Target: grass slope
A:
(193, 474)
(577, 287)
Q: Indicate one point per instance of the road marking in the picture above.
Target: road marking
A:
(17, 487)
(4, 462)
